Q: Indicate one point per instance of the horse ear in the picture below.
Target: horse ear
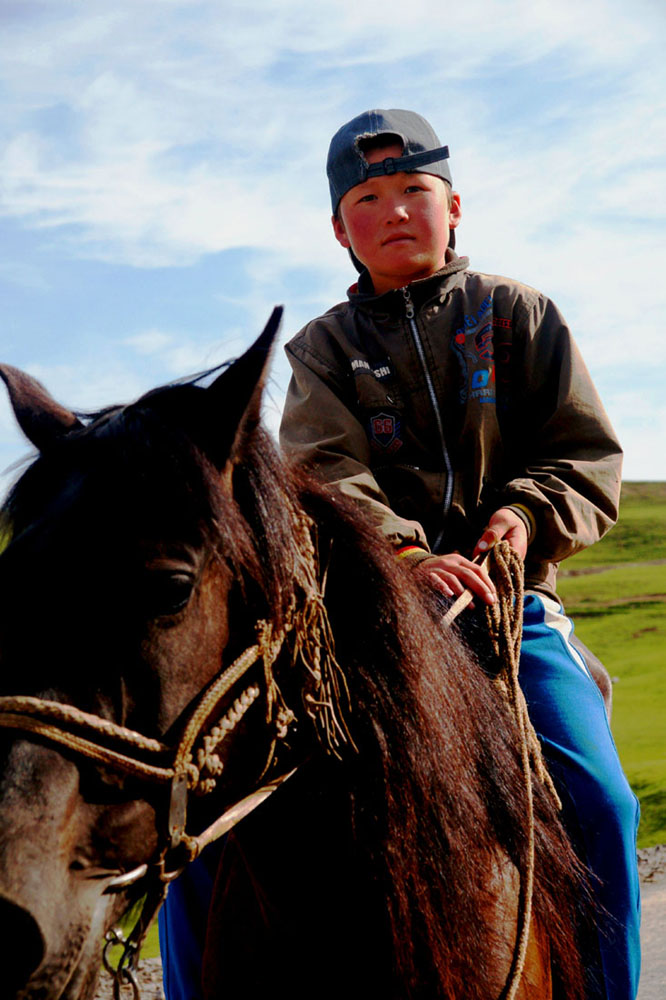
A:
(237, 392)
(41, 419)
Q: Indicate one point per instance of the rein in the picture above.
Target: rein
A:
(504, 620)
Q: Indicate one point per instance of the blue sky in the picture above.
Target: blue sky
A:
(162, 178)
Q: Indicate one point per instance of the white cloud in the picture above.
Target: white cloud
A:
(154, 134)
(149, 341)
(178, 139)
(89, 386)
(643, 423)
(174, 356)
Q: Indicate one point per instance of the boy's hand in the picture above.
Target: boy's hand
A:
(452, 573)
(504, 524)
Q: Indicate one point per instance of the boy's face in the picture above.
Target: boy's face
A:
(398, 224)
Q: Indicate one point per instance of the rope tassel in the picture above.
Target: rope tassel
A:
(325, 696)
(325, 691)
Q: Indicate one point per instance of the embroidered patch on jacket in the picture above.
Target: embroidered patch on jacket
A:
(381, 370)
(483, 385)
(466, 340)
(483, 342)
(385, 430)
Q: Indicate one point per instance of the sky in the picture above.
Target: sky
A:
(162, 180)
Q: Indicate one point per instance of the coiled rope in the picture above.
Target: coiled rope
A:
(504, 620)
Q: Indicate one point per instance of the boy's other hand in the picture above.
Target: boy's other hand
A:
(504, 524)
(451, 574)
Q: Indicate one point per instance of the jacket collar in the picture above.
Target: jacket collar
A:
(362, 294)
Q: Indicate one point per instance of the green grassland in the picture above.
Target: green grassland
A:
(151, 948)
(639, 535)
(616, 593)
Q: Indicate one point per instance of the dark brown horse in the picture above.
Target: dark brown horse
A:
(216, 623)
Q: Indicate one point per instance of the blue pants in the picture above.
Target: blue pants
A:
(182, 925)
(600, 811)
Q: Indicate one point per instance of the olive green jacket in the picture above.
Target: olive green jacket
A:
(437, 404)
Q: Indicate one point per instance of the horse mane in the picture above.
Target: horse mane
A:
(435, 793)
(437, 786)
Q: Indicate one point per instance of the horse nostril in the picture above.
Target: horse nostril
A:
(21, 947)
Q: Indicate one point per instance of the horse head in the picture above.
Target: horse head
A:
(176, 608)
(125, 557)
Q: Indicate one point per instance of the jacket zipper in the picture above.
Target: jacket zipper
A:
(416, 337)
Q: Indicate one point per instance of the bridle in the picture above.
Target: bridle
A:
(192, 766)
(180, 768)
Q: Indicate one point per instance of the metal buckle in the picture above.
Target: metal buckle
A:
(177, 809)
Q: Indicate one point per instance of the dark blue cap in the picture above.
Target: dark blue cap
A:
(421, 150)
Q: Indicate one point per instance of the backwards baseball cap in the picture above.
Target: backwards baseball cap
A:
(422, 152)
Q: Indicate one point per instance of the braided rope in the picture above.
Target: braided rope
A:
(207, 703)
(505, 627)
(28, 714)
(27, 705)
(87, 748)
(504, 620)
(208, 760)
(505, 624)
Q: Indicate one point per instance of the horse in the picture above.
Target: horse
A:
(189, 628)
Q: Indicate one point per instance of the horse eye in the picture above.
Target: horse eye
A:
(166, 593)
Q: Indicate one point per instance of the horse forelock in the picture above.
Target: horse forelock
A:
(118, 464)
(132, 472)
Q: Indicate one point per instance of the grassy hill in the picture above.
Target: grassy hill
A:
(616, 593)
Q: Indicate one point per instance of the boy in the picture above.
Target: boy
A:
(455, 407)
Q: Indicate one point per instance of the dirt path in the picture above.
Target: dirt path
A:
(652, 867)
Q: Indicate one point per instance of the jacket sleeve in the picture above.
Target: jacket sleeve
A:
(567, 460)
(320, 433)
